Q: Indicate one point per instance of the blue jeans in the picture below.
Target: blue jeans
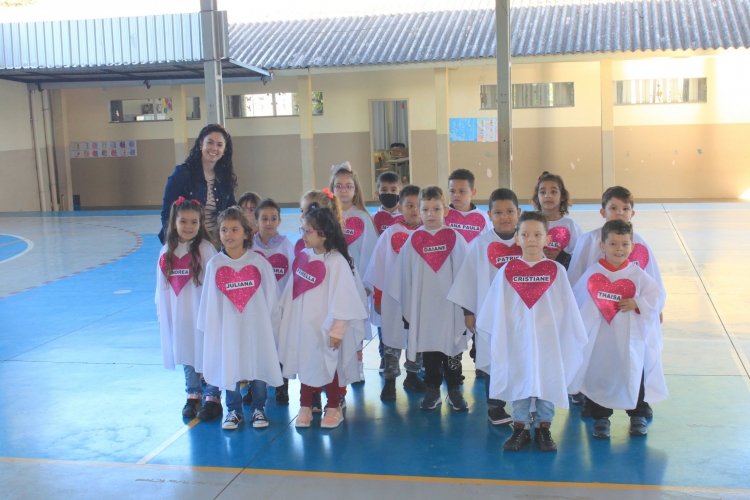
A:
(193, 384)
(491, 403)
(545, 412)
(259, 391)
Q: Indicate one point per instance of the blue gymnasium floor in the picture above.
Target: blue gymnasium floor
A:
(90, 411)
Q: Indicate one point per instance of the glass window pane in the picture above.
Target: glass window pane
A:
(660, 91)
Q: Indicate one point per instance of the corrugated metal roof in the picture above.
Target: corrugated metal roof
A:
(538, 27)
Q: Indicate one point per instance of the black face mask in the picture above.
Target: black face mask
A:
(388, 200)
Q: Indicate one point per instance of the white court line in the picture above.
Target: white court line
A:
(29, 246)
(174, 437)
(741, 368)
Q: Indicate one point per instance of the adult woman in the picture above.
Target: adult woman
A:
(207, 175)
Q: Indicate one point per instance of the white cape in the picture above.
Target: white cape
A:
(378, 275)
(618, 353)
(181, 340)
(535, 351)
(304, 344)
(361, 251)
(287, 250)
(435, 323)
(573, 229)
(469, 234)
(474, 279)
(240, 345)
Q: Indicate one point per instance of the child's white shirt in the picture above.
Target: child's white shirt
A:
(360, 236)
(240, 344)
(322, 289)
(181, 341)
(435, 323)
(618, 352)
(535, 351)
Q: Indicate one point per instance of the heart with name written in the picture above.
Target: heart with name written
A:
(559, 238)
(639, 256)
(607, 294)
(238, 286)
(384, 220)
(469, 226)
(279, 263)
(500, 254)
(299, 246)
(181, 273)
(434, 249)
(530, 282)
(353, 229)
(398, 240)
(308, 274)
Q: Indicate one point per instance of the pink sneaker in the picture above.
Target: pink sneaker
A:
(304, 417)
(332, 418)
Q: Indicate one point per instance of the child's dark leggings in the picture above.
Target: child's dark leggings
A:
(438, 365)
(598, 411)
(332, 393)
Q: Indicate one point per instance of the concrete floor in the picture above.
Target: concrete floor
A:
(79, 343)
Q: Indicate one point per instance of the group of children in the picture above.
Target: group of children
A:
(555, 315)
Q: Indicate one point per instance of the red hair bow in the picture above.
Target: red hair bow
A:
(180, 200)
(328, 193)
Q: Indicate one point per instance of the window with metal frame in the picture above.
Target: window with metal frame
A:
(660, 91)
(531, 95)
(269, 104)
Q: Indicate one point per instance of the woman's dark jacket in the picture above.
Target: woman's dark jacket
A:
(191, 184)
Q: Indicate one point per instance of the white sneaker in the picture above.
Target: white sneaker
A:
(232, 421)
(361, 371)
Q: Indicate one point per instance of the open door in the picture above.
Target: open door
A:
(390, 138)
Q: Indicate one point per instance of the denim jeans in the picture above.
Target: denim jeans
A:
(193, 384)
(257, 388)
(491, 403)
(545, 412)
(391, 357)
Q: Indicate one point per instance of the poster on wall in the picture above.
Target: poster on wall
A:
(473, 129)
(104, 149)
(487, 130)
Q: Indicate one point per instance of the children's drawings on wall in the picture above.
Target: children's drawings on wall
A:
(473, 129)
(103, 149)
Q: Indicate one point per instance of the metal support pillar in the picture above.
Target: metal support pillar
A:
(504, 105)
(215, 48)
(306, 131)
(442, 126)
(608, 124)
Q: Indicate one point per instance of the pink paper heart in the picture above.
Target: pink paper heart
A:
(307, 274)
(607, 294)
(530, 282)
(469, 226)
(559, 238)
(279, 263)
(181, 273)
(238, 286)
(499, 254)
(398, 240)
(639, 256)
(299, 246)
(353, 229)
(434, 249)
(384, 220)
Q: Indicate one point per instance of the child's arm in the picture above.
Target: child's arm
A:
(336, 333)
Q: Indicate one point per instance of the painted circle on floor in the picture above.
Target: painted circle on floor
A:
(12, 247)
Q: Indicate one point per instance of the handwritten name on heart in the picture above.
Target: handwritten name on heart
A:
(384, 220)
(530, 282)
(469, 226)
(559, 238)
(238, 286)
(308, 274)
(279, 263)
(639, 255)
(353, 229)
(434, 249)
(398, 240)
(607, 294)
(181, 273)
(500, 254)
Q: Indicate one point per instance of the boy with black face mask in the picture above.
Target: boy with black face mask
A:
(388, 188)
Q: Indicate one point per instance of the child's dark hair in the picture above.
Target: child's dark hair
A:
(389, 177)
(462, 174)
(530, 215)
(432, 193)
(617, 226)
(324, 220)
(250, 196)
(408, 190)
(182, 205)
(564, 194)
(236, 213)
(326, 198)
(267, 203)
(503, 194)
(619, 192)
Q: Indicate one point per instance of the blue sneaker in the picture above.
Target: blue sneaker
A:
(431, 399)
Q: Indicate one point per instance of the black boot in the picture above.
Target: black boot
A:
(282, 393)
(414, 383)
(543, 438)
(209, 411)
(520, 438)
(190, 410)
(389, 390)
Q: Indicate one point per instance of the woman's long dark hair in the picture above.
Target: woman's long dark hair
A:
(224, 168)
(324, 220)
(194, 249)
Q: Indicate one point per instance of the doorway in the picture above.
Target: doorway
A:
(389, 137)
